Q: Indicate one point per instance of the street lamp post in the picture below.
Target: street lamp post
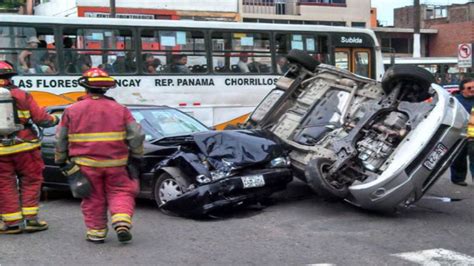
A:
(112, 8)
(416, 35)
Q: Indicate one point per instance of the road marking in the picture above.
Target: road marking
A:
(437, 257)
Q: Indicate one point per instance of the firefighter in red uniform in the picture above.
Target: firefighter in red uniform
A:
(101, 137)
(20, 157)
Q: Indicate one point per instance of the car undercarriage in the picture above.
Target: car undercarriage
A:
(376, 145)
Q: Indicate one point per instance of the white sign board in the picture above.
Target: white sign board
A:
(118, 15)
(465, 55)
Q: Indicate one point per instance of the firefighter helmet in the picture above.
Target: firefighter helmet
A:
(97, 79)
(7, 70)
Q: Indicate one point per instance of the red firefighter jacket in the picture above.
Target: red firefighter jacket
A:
(27, 110)
(98, 132)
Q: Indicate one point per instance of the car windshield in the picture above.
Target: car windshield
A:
(157, 123)
(160, 123)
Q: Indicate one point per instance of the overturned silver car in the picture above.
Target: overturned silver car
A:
(377, 145)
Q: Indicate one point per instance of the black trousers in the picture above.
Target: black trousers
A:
(459, 166)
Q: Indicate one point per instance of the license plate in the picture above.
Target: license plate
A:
(253, 181)
(435, 156)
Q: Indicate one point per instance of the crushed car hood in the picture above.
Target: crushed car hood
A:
(238, 148)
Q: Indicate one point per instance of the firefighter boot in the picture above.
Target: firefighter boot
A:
(9, 229)
(96, 236)
(123, 234)
(35, 225)
(122, 223)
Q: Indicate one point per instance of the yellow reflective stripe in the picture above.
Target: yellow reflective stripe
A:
(5, 150)
(100, 163)
(99, 232)
(128, 221)
(121, 217)
(24, 114)
(73, 170)
(470, 132)
(30, 210)
(10, 217)
(101, 79)
(93, 137)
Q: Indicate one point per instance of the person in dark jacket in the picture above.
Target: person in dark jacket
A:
(460, 165)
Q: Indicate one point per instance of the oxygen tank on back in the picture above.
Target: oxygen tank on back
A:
(8, 123)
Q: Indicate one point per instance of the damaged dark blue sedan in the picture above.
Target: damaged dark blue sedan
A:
(192, 171)
(218, 169)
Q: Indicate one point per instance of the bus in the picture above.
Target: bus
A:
(216, 71)
(445, 69)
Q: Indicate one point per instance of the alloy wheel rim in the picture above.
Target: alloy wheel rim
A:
(169, 190)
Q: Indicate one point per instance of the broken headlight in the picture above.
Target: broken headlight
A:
(219, 174)
(202, 179)
(279, 162)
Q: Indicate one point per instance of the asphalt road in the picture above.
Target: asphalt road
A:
(298, 228)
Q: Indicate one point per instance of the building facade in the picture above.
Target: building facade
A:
(355, 13)
(453, 25)
(352, 13)
(143, 9)
(399, 41)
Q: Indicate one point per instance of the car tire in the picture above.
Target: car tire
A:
(166, 188)
(316, 178)
(302, 58)
(410, 74)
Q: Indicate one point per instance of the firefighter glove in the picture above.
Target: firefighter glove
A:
(135, 167)
(79, 184)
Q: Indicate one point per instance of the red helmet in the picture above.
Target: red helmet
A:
(96, 78)
(7, 70)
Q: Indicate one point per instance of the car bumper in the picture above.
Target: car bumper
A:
(410, 179)
(228, 192)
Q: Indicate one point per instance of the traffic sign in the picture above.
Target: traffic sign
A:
(465, 55)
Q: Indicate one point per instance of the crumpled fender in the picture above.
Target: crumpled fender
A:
(175, 172)
(188, 163)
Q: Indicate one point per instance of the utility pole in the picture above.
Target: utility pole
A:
(112, 8)
(416, 35)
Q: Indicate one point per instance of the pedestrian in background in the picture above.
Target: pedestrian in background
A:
(102, 137)
(459, 167)
(27, 59)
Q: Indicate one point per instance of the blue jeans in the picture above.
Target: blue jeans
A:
(459, 166)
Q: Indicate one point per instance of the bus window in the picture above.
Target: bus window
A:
(30, 49)
(342, 58)
(316, 46)
(239, 52)
(362, 63)
(108, 49)
(175, 52)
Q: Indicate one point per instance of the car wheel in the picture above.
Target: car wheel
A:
(168, 188)
(302, 58)
(317, 176)
(414, 75)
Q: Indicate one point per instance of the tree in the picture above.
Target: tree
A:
(11, 3)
